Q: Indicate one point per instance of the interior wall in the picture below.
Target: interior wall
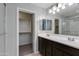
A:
(49, 17)
(25, 39)
(25, 33)
(11, 24)
(2, 30)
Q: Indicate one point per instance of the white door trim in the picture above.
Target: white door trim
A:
(27, 11)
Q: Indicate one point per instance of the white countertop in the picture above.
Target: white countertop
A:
(61, 39)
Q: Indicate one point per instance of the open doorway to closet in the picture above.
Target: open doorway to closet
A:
(25, 33)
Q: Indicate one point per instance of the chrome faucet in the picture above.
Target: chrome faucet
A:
(48, 35)
(71, 39)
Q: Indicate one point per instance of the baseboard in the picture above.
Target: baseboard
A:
(25, 44)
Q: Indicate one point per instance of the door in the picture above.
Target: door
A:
(2, 34)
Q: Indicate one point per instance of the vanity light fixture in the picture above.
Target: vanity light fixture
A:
(63, 6)
(58, 9)
(59, 6)
(50, 11)
(53, 12)
(54, 8)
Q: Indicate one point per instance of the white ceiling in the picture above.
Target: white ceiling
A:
(67, 12)
(44, 5)
(70, 11)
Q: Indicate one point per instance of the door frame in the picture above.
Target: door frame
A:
(33, 34)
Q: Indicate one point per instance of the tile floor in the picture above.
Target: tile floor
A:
(34, 54)
(26, 50)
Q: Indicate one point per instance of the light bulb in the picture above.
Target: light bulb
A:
(63, 7)
(59, 5)
(53, 12)
(50, 11)
(54, 8)
(58, 9)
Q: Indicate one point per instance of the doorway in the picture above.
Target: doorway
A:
(25, 33)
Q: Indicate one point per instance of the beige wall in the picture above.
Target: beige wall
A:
(11, 24)
(25, 22)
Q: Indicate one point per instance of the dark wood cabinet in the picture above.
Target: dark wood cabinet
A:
(42, 46)
(51, 48)
(48, 48)
(57, 52)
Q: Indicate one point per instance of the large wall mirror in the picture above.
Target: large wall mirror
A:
(67, 26)
(68, 21)
(70, 26)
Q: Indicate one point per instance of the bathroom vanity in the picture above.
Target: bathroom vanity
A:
(51, 46)
(63, 39)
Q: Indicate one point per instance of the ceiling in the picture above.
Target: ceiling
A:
(44, 5)
(70, 11)
(67, 12)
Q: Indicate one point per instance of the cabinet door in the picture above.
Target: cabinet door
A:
(2, 25)
(41, 46)
(66, 54)
(57, 52)
(48, 48)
